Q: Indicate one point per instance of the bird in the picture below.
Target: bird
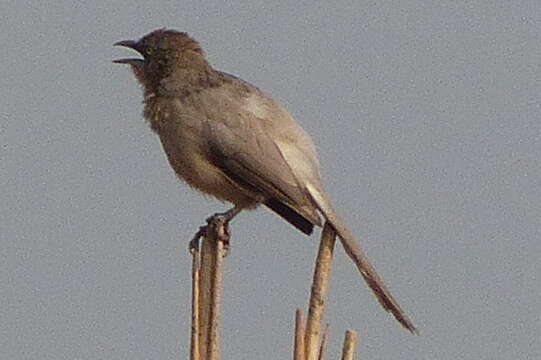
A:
(225, 137)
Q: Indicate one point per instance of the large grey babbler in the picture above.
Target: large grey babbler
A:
(227, 138)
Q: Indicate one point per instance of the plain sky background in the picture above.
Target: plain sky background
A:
(427, 120)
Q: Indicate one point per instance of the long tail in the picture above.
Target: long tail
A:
(352, 248)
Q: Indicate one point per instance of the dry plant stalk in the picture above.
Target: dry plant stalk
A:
(307, 336)
(350, 342)
(194, 341)
(207, 272)
(213, 350)
(318, 294)
(324, 341)
(207, 269)
(298, 348)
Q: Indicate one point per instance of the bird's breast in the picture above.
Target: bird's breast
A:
(181, 131)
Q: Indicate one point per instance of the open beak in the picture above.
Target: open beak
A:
(130, 61)
(127, 43)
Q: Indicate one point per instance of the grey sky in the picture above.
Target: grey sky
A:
(427, 120)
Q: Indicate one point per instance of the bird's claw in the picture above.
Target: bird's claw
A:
(219, 221)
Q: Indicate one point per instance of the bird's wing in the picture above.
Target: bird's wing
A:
(245, 146)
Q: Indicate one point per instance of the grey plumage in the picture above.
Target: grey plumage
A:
(227, 138)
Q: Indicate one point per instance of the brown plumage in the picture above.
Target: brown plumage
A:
(227, 138)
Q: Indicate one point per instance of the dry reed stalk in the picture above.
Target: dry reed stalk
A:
(216, 298)
(318, 294)
(324, 341)
(350, 342)
(298, 348)
(194, 340)
(207, 272)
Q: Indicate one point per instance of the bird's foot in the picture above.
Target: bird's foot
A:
(218, 222)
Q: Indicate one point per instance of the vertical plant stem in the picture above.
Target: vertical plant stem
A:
(194, 341)
(298, 349)
(319, 290)
(207, 287)
(324, 341)
(350, 343)
(216, 298)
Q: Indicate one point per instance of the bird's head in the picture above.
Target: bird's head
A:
(163, 52)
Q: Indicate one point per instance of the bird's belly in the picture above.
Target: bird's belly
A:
(192, 164)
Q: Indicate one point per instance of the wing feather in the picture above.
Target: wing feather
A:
(247, 149)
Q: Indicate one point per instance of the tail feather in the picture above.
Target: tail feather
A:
(354, 251)
(290, 215)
